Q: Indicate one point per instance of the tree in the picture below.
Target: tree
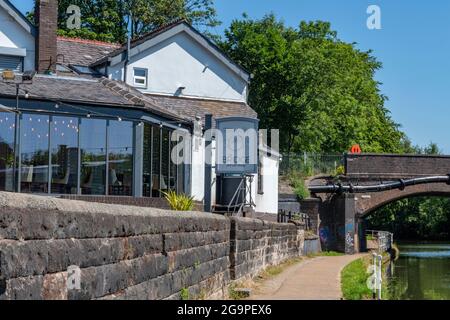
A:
(320, 88)
(110, 20)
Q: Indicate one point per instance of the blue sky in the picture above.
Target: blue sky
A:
(413, 45)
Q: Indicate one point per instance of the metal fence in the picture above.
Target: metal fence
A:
(310, 164)
(384, 239)
(300, 218)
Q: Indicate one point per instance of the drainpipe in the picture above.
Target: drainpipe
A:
(208, 163)
(127, 60)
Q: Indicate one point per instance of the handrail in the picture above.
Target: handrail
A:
(401, 184)
(235, 198)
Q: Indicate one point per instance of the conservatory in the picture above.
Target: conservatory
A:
(49, 147)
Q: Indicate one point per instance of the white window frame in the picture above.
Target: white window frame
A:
(140, 85)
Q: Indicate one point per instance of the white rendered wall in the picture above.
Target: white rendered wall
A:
(267, 202)
(198, 171)
(198, 168)
(180, 61)
(12, 35)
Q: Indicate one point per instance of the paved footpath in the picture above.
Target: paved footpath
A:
(312, 279)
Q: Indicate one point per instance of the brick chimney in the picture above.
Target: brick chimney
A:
(46, 17)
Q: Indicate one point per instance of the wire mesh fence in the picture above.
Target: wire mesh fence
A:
(310, 164)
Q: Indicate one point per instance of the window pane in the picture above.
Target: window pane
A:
(34, 153)
(147, 161)
(93, 156)
(140, 73)
(120, 158)
(165, 160)
(7, 125)
(139, 81)
(173, 166)
(64, 149)
(180, 167)
(156, 161)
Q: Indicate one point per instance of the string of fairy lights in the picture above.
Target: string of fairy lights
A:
(72, 124)
(89, 113)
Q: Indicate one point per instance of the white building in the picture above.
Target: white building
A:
(177, 71)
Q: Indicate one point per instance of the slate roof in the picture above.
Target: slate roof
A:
(135, 96)
(82, 52)
(192, 108)
(66, 89)
(102, 91)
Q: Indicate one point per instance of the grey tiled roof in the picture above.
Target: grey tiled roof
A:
(192, 108)
(82, 52)
(114, 93)
(135, 96)
(96, 91)
(67, 89)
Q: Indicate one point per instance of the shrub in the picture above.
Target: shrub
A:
(179, 202)
(340, 171)
(184, 294)
(297, 181)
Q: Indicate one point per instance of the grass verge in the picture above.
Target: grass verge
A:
(354, 280)
(326, 254)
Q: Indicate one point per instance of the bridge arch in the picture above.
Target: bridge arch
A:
(368, 203)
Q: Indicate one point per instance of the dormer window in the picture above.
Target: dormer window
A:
(140, 77)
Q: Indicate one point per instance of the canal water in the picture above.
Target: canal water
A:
(422, 272)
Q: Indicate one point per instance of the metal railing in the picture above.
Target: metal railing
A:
(301, 218)
(243, 192)
(384, 239)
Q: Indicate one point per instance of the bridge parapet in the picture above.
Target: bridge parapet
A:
(394, 166)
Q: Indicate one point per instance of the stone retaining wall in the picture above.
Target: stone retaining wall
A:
(130, 253)
(256, 244)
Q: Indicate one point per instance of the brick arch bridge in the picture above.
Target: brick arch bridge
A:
(366, 204)
(370, 182)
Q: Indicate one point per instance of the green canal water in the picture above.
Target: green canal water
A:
(422, 272)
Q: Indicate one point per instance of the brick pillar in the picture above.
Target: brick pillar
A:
(46, 17)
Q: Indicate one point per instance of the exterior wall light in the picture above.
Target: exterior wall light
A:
(8, 75)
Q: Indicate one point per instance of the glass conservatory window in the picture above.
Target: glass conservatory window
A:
(93, 156)
(34, 142)
(64, 155)
(7, 125)
(120, 158)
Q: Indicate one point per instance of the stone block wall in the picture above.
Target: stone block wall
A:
(122, 252)
(257, 244)
(125, 252)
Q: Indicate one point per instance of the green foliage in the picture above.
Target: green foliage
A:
(330, 254)
(354, 281)
(320, 88)
(184, 294)
(297, 181)
(109, 20)
(414, 218)
(235, 294)
(179, 202)
(340, 171)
